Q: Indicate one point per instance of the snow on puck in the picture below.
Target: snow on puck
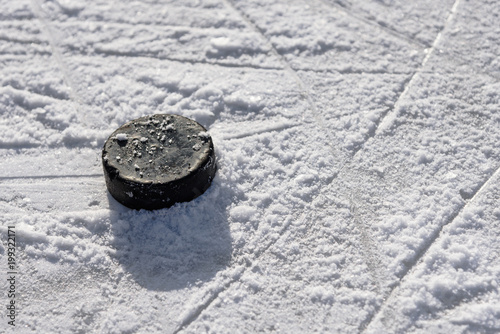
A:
(156, 161)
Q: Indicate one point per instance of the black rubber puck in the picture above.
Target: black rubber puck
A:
(156, 161)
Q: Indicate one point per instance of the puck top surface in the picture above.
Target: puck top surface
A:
(157, 149)
(156, 161)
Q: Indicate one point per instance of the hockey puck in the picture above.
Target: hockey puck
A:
(156, 161)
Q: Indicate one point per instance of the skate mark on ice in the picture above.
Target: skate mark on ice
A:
(224, 64)
(16, 17)
(388, 117)
(17, 146)
(22, 41)
(432, 239)
(425, 248)
(55, 51)
(27, 145)
(66, 73)
(387, 121)
(368, 245)
(21, 97)
(354, 72)
(49, 177)
(271, 128)
(375, 24)
(435, 235)
(14, 55)
(177, 28)
(369, 254)
(159, 56)
(192, 314)
(305, 90)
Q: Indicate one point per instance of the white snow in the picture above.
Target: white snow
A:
(121, 136)
(358, 179)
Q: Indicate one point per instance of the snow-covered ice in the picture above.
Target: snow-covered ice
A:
(358, 182)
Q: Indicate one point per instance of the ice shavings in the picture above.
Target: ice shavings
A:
(122, 137)
(204, 135)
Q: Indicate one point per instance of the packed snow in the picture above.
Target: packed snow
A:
(358, 181)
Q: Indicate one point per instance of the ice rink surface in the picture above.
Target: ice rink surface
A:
(358, 146)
